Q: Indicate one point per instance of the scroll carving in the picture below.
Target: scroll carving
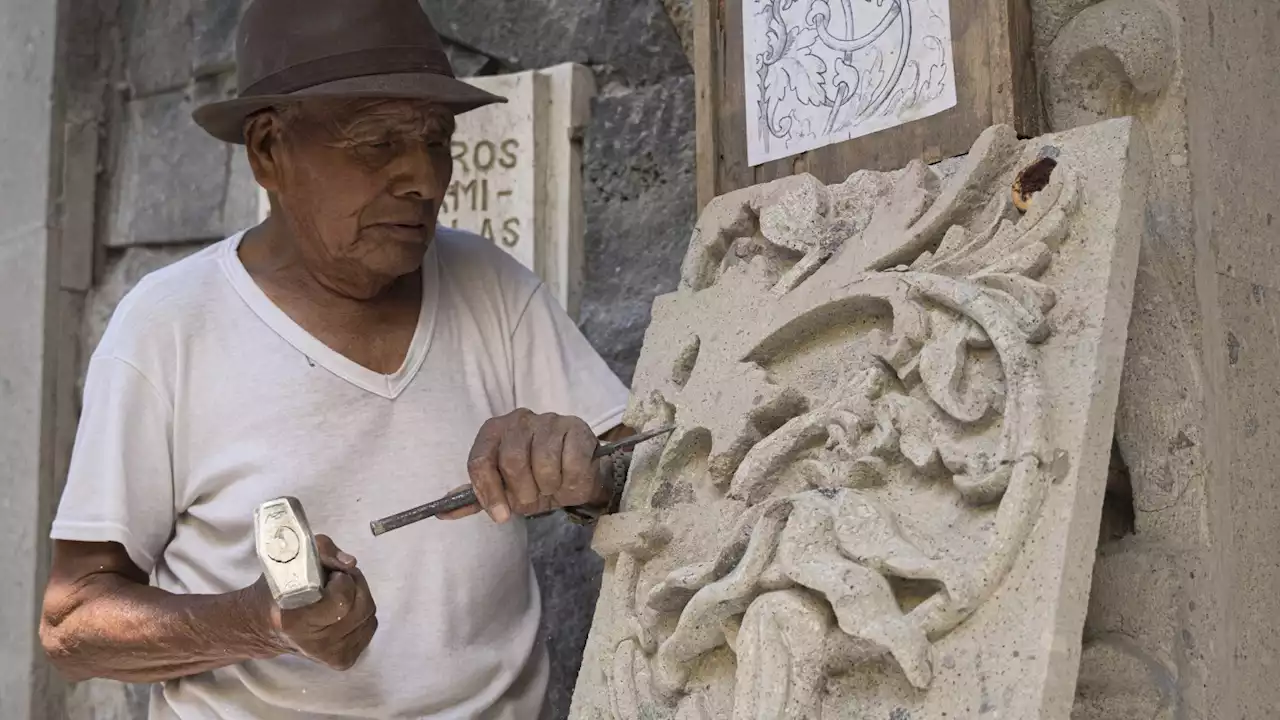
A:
(859, 397)
(1114, 58)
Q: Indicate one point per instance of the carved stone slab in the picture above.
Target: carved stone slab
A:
(517, 173)
(894, 399)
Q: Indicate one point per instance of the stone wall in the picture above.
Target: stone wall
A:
(170, 190)
(28, 295)
(1182, 620)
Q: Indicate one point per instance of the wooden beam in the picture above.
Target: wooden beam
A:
(705, 51)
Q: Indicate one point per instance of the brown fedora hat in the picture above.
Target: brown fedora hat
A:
(288, 50)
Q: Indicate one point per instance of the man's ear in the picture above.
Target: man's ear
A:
(262, 142)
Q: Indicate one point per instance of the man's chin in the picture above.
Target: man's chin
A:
(407, 261)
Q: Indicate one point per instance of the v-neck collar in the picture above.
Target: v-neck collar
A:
(387, 386)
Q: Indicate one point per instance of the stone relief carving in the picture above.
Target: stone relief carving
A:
(1112, 59)
(862, 445)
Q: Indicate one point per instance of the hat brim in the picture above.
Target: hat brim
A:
(225, 119)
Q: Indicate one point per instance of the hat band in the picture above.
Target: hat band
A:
(358, 63)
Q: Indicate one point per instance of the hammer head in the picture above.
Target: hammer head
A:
(287, 550)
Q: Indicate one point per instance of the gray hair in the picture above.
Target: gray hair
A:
(330, 112)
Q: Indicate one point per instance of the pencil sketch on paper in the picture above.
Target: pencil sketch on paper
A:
(820, 72)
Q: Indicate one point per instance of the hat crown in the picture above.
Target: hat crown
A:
(294, 49)
(287, 45)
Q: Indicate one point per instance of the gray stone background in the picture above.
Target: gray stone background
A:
(172, 190)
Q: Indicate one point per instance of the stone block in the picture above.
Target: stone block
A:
(499, 153)
(1160, 423)
(640, 205)
(1234, 158)
(171, 42)
(1108, 61)
(1118, 681)
(26, 66)
(1148, 610)
(32, 35)
(1047, 19)
(158, 44)
(467, 62)
(893, 402)
(24, 374)
(174, 183)
(632, 41)
(1152, 617)
(681, 14)
(213, 30)
(1247, 485)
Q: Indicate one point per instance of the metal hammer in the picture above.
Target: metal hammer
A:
(287, 550)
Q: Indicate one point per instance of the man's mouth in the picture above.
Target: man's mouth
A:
(417, 226)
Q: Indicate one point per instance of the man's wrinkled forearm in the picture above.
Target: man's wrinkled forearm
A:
(121, 630)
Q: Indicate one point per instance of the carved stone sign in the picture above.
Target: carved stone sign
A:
(894, 401)
(517, 172)
(495, 190)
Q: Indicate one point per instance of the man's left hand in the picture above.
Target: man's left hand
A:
(525, 464)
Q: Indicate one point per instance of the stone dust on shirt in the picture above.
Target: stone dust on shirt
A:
(204, 399)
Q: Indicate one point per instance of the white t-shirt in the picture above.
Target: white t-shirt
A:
(204, 399)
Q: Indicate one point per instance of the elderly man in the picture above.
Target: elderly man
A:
(348, 352)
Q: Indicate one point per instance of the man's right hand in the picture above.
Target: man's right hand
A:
(335, 630)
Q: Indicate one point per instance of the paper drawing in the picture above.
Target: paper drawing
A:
(820, 72)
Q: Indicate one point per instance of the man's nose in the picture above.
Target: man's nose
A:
(414, 174)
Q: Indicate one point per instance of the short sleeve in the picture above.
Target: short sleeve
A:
(120, 481)
(557, 370)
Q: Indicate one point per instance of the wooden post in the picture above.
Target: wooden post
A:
(707, 48)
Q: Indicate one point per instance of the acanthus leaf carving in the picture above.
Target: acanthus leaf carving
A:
(884, 503)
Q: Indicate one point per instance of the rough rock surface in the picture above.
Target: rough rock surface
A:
(681, 14)
(175, 183)
(1048, 17)
(569, 580)
(894, 401)
(632, 41)
(169, 42)
(639, 211)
